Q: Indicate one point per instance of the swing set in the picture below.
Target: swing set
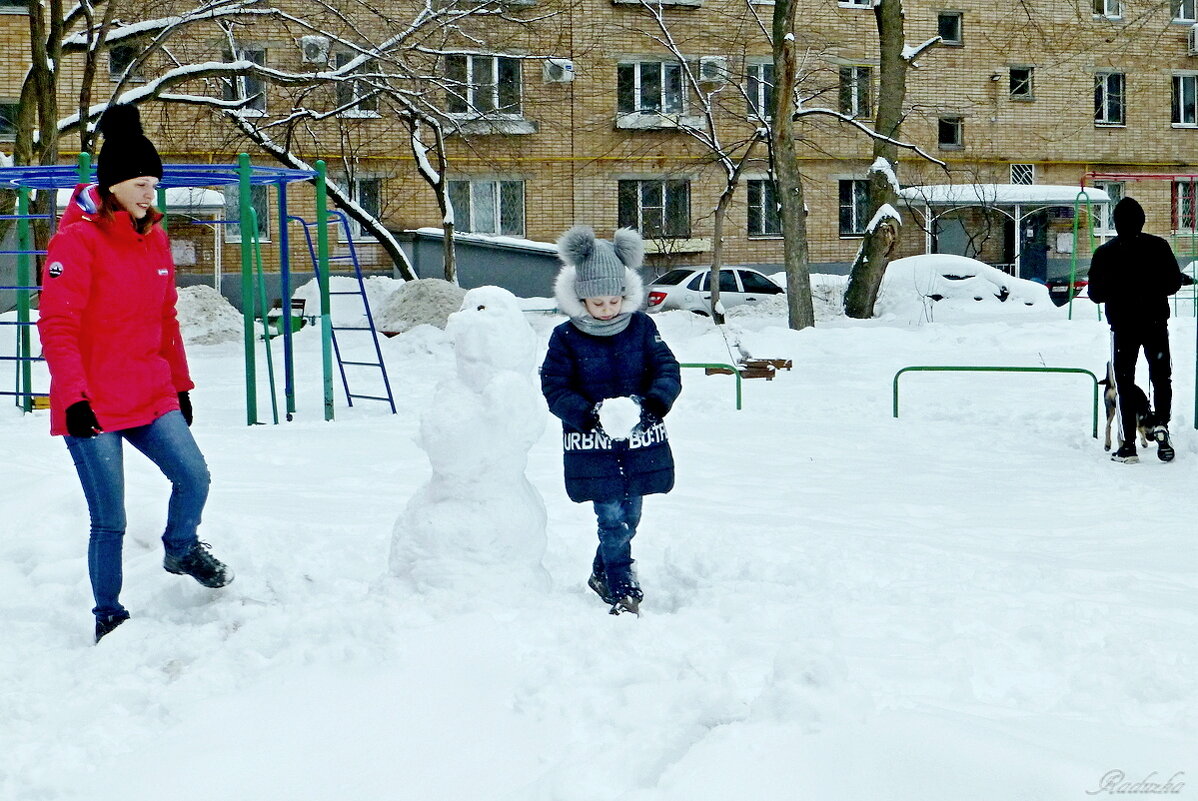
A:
(25, 180)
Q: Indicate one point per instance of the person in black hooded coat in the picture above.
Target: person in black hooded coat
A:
(1134, 274)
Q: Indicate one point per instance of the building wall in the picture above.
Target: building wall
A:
(572, 162)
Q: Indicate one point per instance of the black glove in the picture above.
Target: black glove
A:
(81, 420)
(652, 408)
(185, 406)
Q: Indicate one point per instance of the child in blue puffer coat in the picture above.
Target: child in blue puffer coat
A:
(611, 379)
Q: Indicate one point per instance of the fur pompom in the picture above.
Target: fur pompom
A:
(630, 248)
(120, 120)
(576, 245)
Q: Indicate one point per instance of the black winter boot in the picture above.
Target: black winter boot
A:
(104, 625)
(201, 565)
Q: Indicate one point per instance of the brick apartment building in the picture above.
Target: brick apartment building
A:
(581, 116)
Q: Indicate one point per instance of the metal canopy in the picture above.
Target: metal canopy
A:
(61, 176)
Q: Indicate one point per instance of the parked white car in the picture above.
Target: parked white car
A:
(689, 288)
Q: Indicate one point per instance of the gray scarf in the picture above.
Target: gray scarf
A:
(602, 328)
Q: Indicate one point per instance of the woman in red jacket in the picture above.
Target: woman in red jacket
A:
(118, 371)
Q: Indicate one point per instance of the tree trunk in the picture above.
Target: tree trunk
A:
(786, 169)
(865, 278)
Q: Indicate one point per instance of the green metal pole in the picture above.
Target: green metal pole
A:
(722, 367)
(162, 205)
(24, 350)
(247, 289)
(84, 167)
(326, 318)
(270, 362)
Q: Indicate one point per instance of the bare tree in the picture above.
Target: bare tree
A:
(882, 231)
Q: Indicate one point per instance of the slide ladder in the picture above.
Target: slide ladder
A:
(339, 218)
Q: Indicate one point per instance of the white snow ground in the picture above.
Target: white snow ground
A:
(967, 603)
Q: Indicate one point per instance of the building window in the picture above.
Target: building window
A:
(1021, 83)
(1102, 212)
(659, 209)
(1108, 8)
(760, 90)
(120, 58)
(8, 119)
(488, 206)
(259, 199)
(1185, 99)
(856, 3)
(1023, 174)
(483, 85)
(13, 5)
(854, 207)
(764, 217)
(854, 91)
(950, 27)
(367, 193)
(243, 86)
(950, 135)
(1185, 204)
(1109, 98)
(649, 87)
(1185, 11)
(350, 91)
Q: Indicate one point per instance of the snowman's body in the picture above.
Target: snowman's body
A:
(478, 518)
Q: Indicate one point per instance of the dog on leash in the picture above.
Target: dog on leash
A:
(1145, 418)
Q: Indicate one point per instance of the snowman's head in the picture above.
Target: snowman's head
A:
(489, 334)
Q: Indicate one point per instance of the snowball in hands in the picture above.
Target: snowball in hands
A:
(619, 416)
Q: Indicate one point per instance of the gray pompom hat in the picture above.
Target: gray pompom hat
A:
(600, 266)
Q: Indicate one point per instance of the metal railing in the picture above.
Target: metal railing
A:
(996, 369)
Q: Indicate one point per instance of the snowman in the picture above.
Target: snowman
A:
(478, 520)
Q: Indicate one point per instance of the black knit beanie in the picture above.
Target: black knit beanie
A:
(126, 153)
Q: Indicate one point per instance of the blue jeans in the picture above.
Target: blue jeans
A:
(168, 443)
(618, 520)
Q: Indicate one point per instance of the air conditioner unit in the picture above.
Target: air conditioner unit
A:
(713, 70)
(315, 49)
(558, 70)
(1192, 40)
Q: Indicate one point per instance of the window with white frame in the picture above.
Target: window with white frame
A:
(950, 133)
(950, 27)
(1109, 98)
(854, 206)
(483, 85)
(658, 208)
(854, 91)
(120, 58)
(1103, 224)
(1021, 83)
(1185, 206)
(243, 86)
(649, 87)
(1185, 10)
(367, 193)
(488, 206)
(1108, 8)
(349, 91)
(259, 201)
(1023, 174)
(1185, 99)
(856, 3)
(759, 87)
(764, 216)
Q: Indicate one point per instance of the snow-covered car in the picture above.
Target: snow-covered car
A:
(941, 276)
(689, 288)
